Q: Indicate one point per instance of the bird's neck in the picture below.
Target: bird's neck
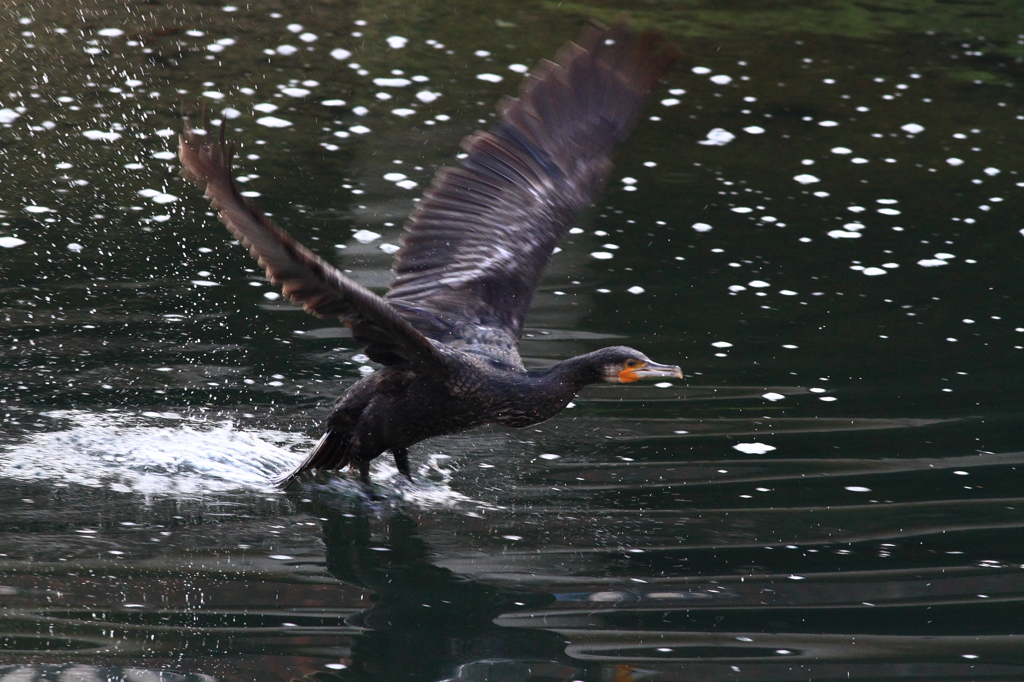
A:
(537, 396)
(573, 374)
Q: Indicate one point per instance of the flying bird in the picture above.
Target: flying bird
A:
(473, 252)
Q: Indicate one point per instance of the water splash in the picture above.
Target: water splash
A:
(126, 452)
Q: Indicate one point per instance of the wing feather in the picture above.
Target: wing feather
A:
(478, 243)
(305, 278)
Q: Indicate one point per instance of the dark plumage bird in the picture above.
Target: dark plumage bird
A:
(472, 256)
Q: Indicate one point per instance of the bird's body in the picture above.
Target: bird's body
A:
(396, 407)
(447, 331)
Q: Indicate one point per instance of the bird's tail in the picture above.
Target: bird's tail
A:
(329, 453)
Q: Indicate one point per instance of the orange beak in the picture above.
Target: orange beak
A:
(650, 370)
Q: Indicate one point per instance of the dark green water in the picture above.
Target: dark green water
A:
(833, 492)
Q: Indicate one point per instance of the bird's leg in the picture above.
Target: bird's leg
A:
(402, 461)
(364, 472)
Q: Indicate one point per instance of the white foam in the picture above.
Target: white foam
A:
(753, 448)
(489, 77)
(102, 135)
(701, 227)
(391, 82)
(753, 130)
(135, 453)
(10, 242)
(397, 42)
(365, 236)
(426, 96)
(273, 122)
(805, 179)
(718, 137)
(912, 128)
(340, 54)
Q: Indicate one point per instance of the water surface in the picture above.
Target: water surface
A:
(819, 218)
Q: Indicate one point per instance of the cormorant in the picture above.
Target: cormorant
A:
(473, 252)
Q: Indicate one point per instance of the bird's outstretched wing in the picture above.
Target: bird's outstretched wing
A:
(304, 277)
(476, 246)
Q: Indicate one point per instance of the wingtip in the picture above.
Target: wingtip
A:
(205, 158)
(284, 481)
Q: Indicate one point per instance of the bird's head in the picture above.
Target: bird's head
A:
(623, 365)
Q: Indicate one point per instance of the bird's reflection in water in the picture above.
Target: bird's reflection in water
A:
(426, 622)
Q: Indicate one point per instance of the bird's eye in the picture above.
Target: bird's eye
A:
(631, 363)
